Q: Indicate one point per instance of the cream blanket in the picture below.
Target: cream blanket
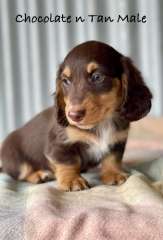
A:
(131, 211)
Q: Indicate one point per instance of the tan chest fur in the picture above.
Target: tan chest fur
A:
(99, 140)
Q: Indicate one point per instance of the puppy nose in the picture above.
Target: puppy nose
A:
(76, 116)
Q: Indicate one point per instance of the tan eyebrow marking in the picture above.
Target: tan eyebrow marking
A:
(67, 71)
(91, 67)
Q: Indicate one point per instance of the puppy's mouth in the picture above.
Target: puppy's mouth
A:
(82, 124)
(90, 121)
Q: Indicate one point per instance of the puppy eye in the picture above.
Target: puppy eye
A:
(66, 81)
(97, 78)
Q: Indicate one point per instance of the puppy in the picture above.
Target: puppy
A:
(98, 93)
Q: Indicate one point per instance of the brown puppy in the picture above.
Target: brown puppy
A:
(99, 92)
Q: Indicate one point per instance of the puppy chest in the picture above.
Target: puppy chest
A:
(96, 151)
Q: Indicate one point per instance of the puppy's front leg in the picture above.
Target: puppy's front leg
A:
(65, 164)
(111, 170)
(68, 177)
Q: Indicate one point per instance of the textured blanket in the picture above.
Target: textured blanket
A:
(131, 211)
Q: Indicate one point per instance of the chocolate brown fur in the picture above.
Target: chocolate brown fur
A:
(98, 93)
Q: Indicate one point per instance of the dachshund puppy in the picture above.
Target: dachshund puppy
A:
(98, 93)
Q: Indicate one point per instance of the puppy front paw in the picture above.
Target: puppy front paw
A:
(114, 177)
(75, 184)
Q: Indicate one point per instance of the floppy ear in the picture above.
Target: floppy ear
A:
(137, 96)
(59, 101)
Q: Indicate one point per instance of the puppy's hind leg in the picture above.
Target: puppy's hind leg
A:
(26, 173)
(39, 176)
(18, 166)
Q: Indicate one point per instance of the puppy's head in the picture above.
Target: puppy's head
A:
(94, 82)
